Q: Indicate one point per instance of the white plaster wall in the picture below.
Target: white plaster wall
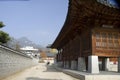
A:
(113, 67)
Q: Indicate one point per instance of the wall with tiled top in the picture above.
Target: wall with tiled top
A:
(12, 61)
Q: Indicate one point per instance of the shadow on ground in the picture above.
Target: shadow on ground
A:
(36, 78)
(50, 68)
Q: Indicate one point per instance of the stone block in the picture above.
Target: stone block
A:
(93, 65)
(73, 64)
(12, 62)
(81, 64)
(119, 64)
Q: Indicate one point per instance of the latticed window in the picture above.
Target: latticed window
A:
(104, 40)
(108, 40)
(98, 40)
(116, 41)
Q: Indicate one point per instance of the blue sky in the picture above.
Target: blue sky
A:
(38, 20)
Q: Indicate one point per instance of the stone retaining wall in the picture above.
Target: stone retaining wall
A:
(12, 61)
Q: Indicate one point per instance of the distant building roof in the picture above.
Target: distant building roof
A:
(50, 54)
(29, 48)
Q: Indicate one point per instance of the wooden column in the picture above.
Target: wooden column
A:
(119, 64)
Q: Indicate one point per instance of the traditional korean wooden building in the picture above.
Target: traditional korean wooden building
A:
(90, 35)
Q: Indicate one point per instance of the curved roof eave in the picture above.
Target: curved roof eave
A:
(75, 8)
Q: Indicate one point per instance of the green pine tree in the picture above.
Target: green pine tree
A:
(4, 37)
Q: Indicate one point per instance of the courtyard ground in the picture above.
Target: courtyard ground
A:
(40, 72)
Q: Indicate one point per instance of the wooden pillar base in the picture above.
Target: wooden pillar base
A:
(93, 66)
(73, 64)
(119, 64)
(81, 64)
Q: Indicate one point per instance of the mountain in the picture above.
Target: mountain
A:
(22, 42)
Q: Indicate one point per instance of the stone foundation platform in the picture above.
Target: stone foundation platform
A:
(103, 75)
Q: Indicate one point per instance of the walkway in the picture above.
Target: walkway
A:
(40, 72)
